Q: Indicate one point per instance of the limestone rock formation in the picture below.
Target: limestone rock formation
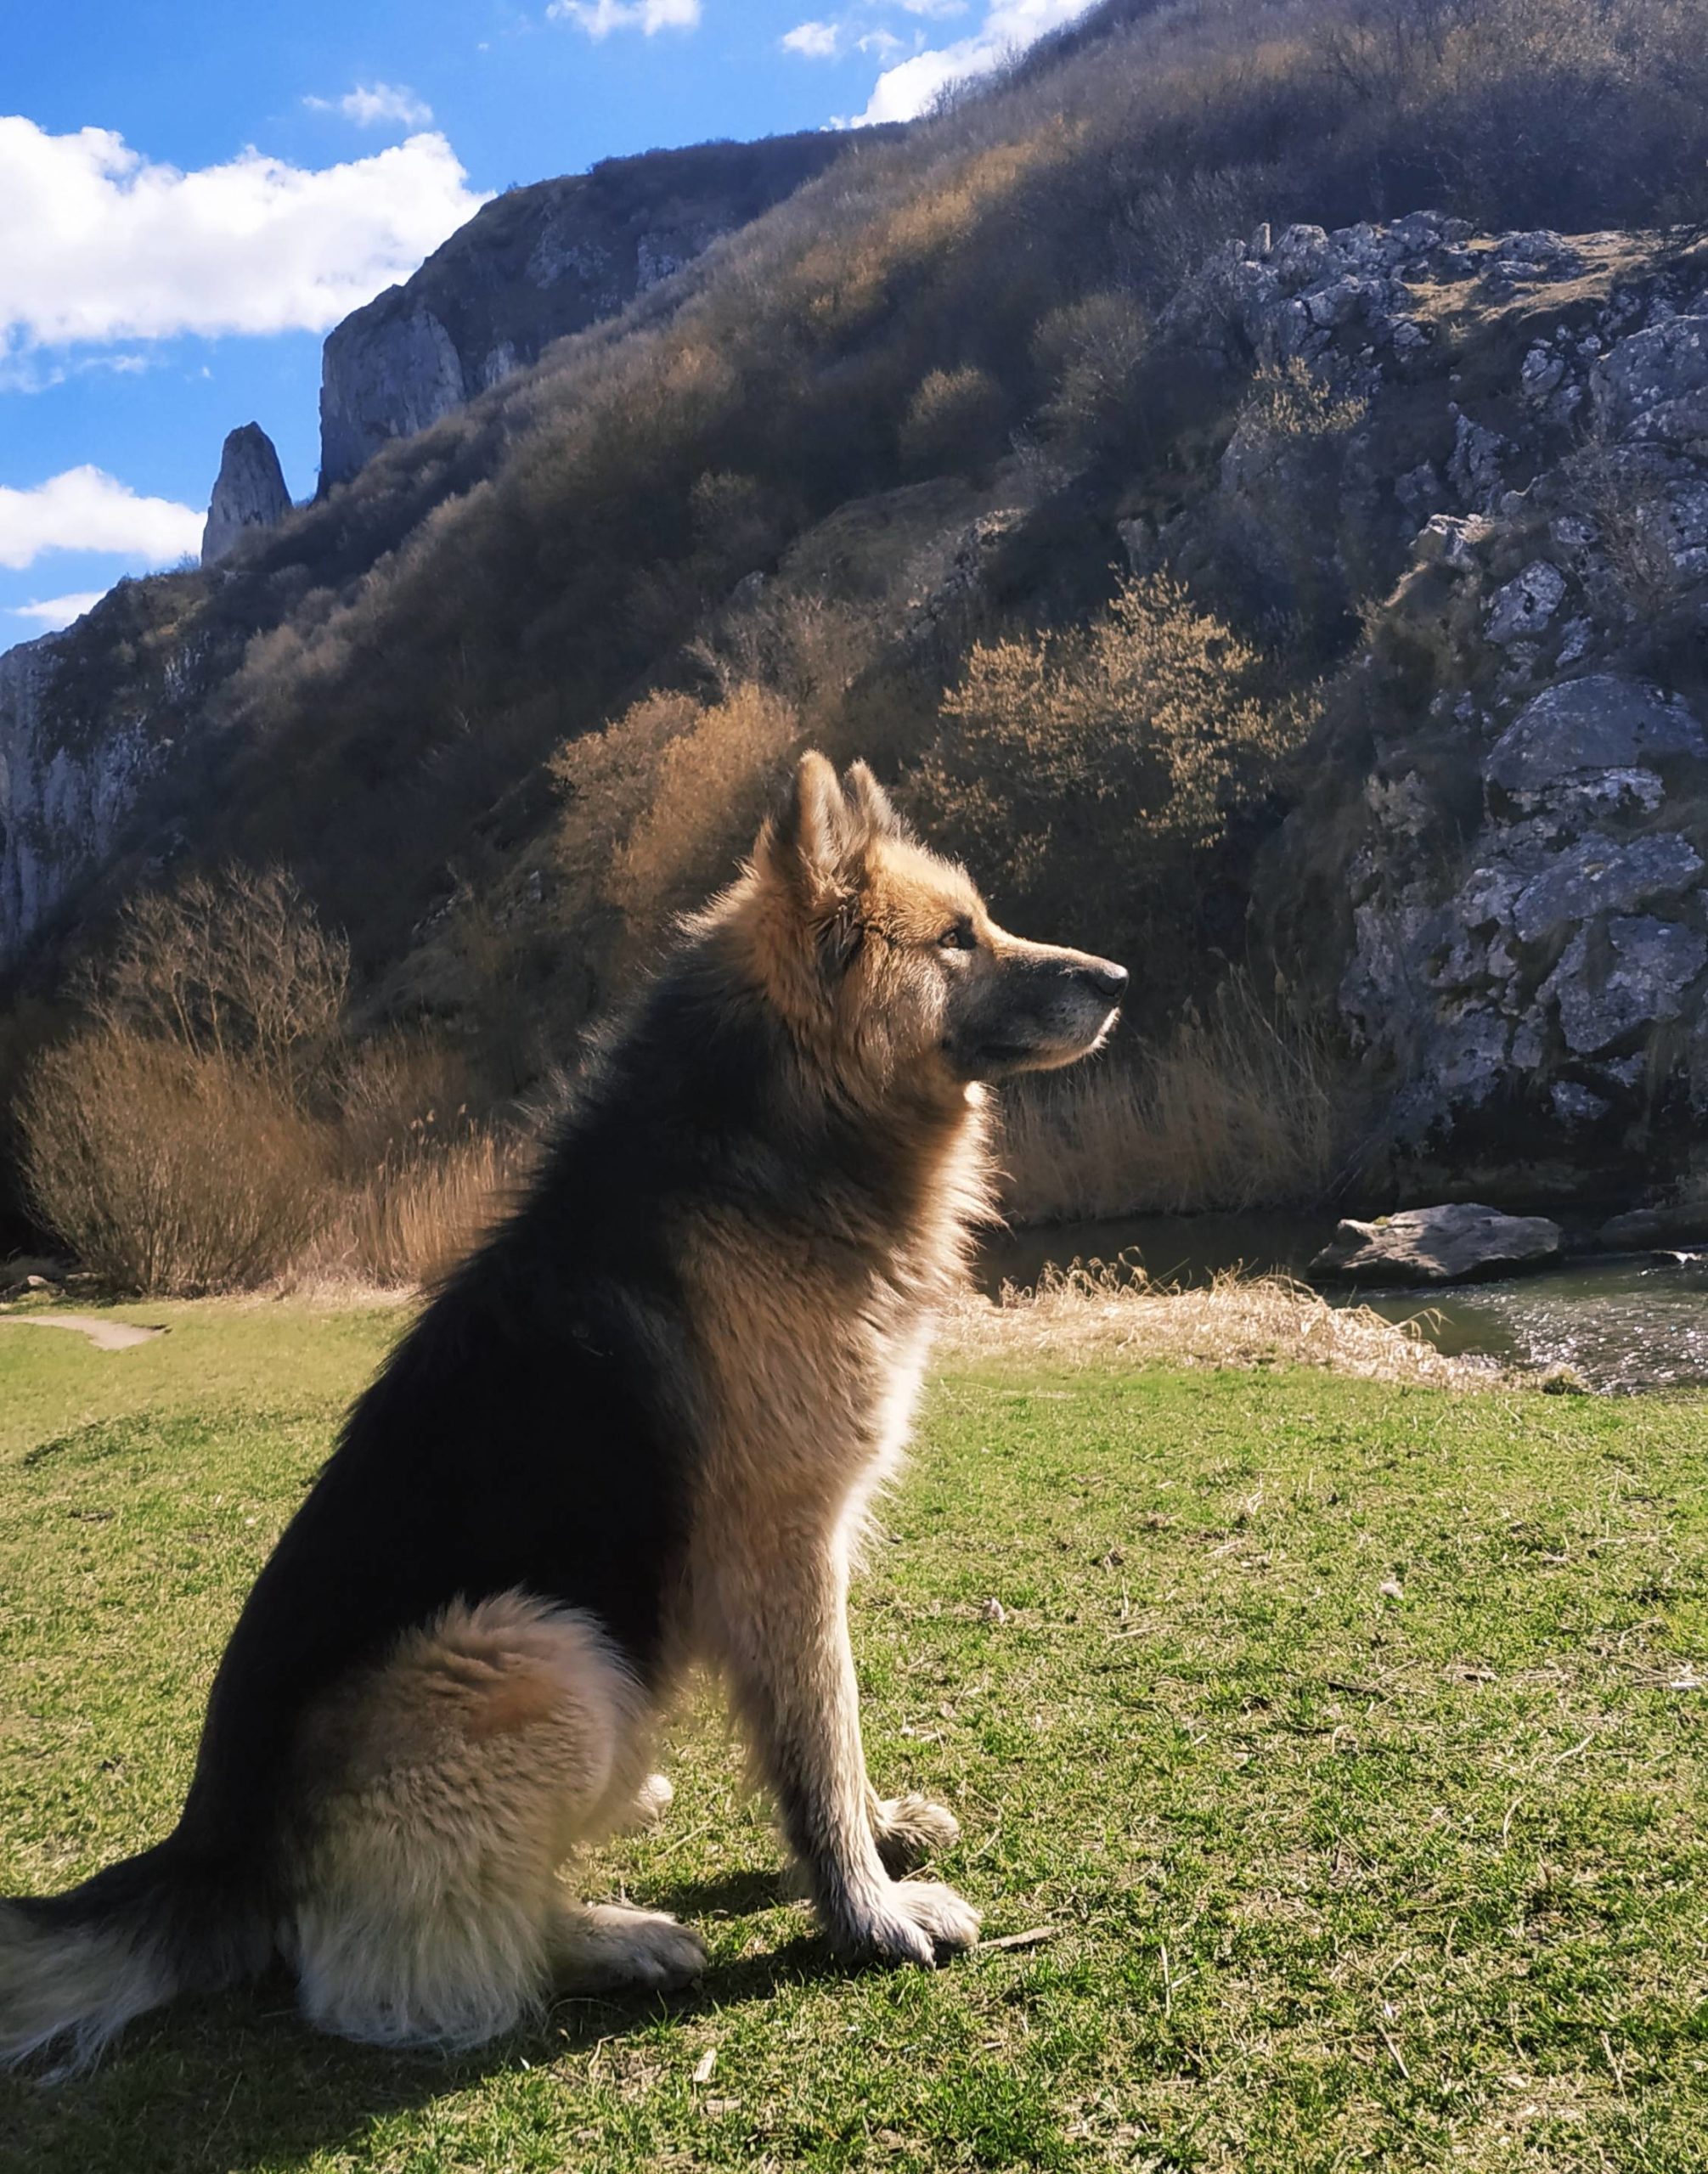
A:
(531, 266)
(248, 495)
(1462, 1242)
(1523, 908)
(62, 796)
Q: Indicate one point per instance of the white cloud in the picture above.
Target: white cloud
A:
(85, 509)
(933, 7)
(830, 41)
(50, 613)
(812, 41)
(99, 243)
(370, 103)
(599, 18)
(1009, 27)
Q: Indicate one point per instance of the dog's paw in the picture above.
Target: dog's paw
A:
(652, 1799)
(919, 1921)
(607, 1949)
(910, 1830)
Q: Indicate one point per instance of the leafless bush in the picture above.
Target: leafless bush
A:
(236, 967)
(417, 1213)
(1091, 766)
(169, 1168)
(955, 420)
(1088, 350)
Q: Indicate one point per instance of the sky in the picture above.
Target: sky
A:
(194, 192)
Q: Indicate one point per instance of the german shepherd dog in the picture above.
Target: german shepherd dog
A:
(639, 1426)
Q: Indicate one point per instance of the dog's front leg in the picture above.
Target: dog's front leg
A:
(785, 1636)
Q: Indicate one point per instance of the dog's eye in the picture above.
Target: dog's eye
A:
(960, 937)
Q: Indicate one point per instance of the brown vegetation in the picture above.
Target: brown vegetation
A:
(212, 1127)
(1243, 1106)
(510, 699)
(1099, 1310)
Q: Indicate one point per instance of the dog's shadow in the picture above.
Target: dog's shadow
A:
(239, 2082)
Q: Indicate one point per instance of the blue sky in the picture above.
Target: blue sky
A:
(191, 192)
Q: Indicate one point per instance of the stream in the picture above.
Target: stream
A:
(1623, 1321)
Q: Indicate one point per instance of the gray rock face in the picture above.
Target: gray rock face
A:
(532, 267)
(1654, 386)
(1632, 978)
(248, 495)
(1526, 604)
(1527, 902)
(1597, 723)
(1596, 876)
(62, 799)
(1458, 1243)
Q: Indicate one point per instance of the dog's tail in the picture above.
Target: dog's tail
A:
(76, 1967)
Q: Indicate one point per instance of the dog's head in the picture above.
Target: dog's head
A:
(883, 961)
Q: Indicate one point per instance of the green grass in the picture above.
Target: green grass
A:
(1339, 1876)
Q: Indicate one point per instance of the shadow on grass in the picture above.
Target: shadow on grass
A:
(241, 2082)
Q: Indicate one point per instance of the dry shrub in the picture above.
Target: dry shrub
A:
(403, 1092)
(659, 807)
(1087, 352)
(954, 422)
(711, 786)
(1237, 1110)
(1091, 765)
(1111, 1310)
(213, 1129)
(417, 1215)
(171, 1170)
(235, 967)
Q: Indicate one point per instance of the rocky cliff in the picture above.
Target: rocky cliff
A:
(75, 753)
(249, 493)
(533, 265)
(1502, 855)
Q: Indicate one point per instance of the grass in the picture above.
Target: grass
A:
(1347, 1735)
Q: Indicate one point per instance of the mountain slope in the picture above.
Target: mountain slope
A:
(936, 395)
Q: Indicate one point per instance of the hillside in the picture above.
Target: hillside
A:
(1244, 476)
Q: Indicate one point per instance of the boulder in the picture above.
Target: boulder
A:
(1634, 980)
(249, 493)
(1460, 1242)
(1602, 721)
(1654, 385)
(1526, 604)
(1597, 875)
(1685, 1224)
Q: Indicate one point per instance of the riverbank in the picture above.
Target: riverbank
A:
(1336, 1742)
(1620, 1321)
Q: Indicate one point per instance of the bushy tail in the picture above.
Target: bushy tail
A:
(76, 1967)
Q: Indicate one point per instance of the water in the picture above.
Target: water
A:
(1622, 1321)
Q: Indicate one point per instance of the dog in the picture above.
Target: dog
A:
(638, 1428)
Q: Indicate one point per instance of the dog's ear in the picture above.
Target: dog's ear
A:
(872, 804)
(814, 836)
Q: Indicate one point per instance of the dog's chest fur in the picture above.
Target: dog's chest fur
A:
(812, 1346)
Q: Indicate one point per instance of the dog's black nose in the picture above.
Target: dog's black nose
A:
(1107, 979)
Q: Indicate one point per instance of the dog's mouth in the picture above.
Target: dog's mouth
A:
(1045, 1052)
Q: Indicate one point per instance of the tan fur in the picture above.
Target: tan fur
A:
(448, 1784)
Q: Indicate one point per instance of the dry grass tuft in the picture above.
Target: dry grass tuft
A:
(1111, 1310)
(1239, 1109)
(414, 1216)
